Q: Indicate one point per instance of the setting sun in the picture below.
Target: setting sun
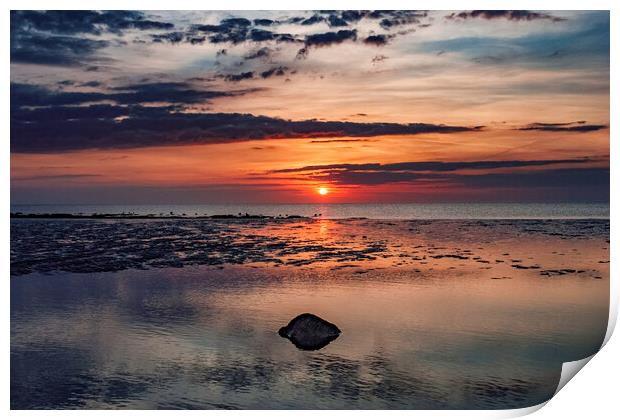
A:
(323, 191)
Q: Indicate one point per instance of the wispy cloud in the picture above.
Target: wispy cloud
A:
(432, 166)
(515, 15)
(562, 174)
(577, 127)
(55, 177)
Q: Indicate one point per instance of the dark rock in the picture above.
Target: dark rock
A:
(525, 267)
(458, 257)
(309, 332)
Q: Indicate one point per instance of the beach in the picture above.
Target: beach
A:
(184, 313)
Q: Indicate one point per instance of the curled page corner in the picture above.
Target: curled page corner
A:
(520, 412)
(570, 369)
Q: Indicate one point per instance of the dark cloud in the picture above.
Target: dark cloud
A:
(577, 126)
(239, 77)
(566, 177)
(178, 37)
(394, 18)
(56, 38)
(353, 16)
(233, 30)
(48, 37)
(238, 30)
(377, 40)
(370, 178)
(343, 140)
(387, 18)
(23, 95)
(432, 166)
(274, 71)
(313, 20)
(330, 38)
(53, 50)
(264, 53)
(259, 35)
(344, 18)
(293, 20)
(92, 83)
(209, 28)
(514, 15)
(196, 39)
(236, 22)
(335, 21)
(70, 113)
(81, 21)
(55, 126)
(264, 22)
(26, 95)
(286, 38)
(178, 93)
(543, 175)
(302, 54)
(236, 35)
(172, 37)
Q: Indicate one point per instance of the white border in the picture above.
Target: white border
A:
(594, 394)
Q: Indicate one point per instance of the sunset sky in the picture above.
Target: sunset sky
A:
(263, 107)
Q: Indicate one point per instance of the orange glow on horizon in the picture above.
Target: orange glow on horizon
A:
(252, 171)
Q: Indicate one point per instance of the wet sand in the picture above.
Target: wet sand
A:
(185, 313)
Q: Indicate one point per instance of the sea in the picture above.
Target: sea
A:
(477, 309)
(402, 211)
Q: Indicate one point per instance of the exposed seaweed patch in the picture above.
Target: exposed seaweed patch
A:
(458, 257)
(96, 245)
(560, 272)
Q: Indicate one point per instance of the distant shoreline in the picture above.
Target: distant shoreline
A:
(133, 216)
(245, 217)
(326, 211)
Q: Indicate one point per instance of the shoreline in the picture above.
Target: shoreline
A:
(246, 216)
(133, 216)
